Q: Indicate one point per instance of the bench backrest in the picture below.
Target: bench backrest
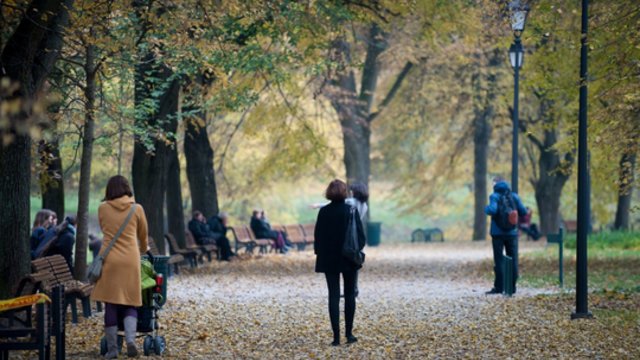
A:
(294, 232)
(153, 247)
(56, 265)
(309, 231)
(190, 240)
(173, 244)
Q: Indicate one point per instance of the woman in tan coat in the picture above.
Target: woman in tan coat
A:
(119, 284)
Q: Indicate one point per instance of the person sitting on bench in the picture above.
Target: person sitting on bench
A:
(200, 230)
(218, 226)
(262, 230)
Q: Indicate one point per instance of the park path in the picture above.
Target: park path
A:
(416, 301)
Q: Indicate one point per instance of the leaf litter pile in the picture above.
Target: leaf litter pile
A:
(416, 301)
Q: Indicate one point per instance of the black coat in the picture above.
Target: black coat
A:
(217, 228)
(330, 231)
(199, 230)
(261, 229)
(63, 245)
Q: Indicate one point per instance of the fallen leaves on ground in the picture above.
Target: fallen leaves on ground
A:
(416, 301)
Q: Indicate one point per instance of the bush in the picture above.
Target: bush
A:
(621, 240)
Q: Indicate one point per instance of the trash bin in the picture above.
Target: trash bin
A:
(373, 233)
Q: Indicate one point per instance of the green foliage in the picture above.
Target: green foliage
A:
(615, 240)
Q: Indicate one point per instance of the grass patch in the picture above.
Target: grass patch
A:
(622, 240)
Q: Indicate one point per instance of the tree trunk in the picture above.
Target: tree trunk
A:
(485, 92)
(625, 192)
(51, 180)
(84, 188)
(548, 187)
(27, 58)
(149, 168)
(175, 213)
(481, 136)
(354, 110)
(200, 174)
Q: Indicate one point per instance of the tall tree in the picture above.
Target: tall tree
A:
(625, 191)
(26, 61)
(175, 212)
(51, 176)
(354, 108)
(553, 167)
(89, 89)
(199, 155)
(156, 99)
(485, 91)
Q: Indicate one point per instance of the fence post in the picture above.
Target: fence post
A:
(508, 275)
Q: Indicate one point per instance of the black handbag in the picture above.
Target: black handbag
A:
(351, 248)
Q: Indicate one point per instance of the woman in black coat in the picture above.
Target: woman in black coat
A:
(330, 233)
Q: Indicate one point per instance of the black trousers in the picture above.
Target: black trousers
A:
(333, 284)
(510, 246)
(225, 247)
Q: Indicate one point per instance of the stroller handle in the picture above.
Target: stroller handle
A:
(151, 258)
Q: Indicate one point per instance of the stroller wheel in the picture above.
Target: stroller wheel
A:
(147, 346)
(159, 345)
(103, 346)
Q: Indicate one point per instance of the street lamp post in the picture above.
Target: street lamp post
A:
(516, 57)
(582, 308)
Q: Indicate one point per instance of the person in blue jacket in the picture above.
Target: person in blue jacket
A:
(502, 238)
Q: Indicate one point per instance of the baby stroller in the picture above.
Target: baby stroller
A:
(153, 298)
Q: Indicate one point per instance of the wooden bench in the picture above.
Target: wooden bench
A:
(571, 226)
(295, 234)
(244, 238)
(174, 260)
(309, 229)
(49, 321)
(73, 289)
(206, 249)
(190, 254)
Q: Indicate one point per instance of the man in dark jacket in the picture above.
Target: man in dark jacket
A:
(506, 239)
(200, 230)
(262, 230)
(63, 243)
(218, 227)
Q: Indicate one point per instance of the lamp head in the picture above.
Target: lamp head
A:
(519, 12)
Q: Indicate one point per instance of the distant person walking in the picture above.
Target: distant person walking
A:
(119, 286)
(504, 208)
(330, 233)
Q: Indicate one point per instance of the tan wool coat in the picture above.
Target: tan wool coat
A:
(120, 279)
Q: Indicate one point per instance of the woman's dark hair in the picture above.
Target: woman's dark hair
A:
(336, 191)
(360, 191)
(118, 186)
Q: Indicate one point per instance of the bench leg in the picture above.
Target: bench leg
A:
(71, 300)
(176, 269)
(98, 306)
(86, 307)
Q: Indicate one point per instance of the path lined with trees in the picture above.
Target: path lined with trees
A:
(244, 96)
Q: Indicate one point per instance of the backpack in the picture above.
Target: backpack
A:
(507, 215)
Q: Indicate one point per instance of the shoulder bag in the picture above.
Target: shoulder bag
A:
(95, 269)
(351, 248)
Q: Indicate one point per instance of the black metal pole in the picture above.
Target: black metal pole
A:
(514, 148)
(582, 310)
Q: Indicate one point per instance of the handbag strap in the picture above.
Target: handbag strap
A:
(117, 235)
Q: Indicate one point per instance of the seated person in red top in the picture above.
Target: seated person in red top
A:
(524, 223)
(200, 230)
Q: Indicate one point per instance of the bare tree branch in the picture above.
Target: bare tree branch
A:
(392, 92)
